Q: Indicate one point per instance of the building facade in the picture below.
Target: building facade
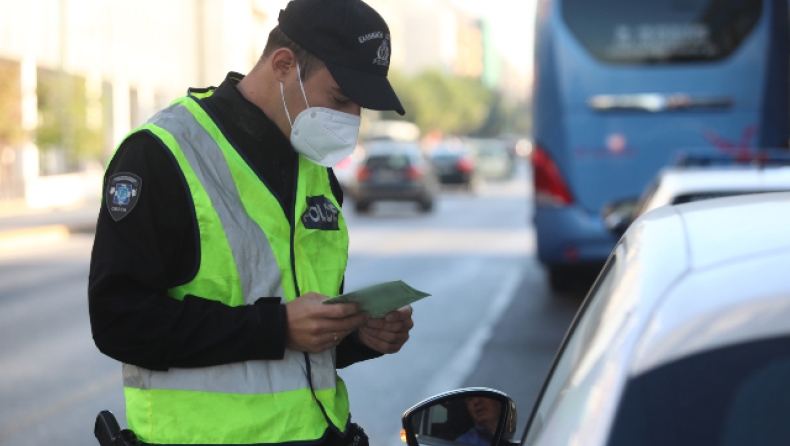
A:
(77, 75)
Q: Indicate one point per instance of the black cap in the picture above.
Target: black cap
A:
(352, 40)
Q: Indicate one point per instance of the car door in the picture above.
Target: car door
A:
(571, 353)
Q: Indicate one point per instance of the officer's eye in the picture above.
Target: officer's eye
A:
(341, 101)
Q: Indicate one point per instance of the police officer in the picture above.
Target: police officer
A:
(220, 233)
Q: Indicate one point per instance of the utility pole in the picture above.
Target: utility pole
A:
(121, 107)
(29, 83)
(200, 39)
(65, 92)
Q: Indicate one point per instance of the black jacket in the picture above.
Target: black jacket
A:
(154, 247)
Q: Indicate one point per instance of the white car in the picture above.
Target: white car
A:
(684, 184)
(492, 158)
(684, 339)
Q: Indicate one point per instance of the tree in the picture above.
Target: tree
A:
(454, 105)
(63, 108)
(11, 132)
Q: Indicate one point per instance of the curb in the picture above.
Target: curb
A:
(25, 238)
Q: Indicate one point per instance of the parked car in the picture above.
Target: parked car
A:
(694, 179)
(684, 338)
(455, 166)
(394, 170)
(346, 172)
(493, 158)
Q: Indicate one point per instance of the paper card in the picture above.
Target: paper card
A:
(380, 299)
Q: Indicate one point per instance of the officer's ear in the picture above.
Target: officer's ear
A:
(283, 63)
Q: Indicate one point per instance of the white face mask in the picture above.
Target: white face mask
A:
(322, 135)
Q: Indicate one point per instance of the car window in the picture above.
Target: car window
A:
(393, 161)
(734, 395)
(667, 31)
(446, 156)
(699, 196)
(575, 344)
(488, 147)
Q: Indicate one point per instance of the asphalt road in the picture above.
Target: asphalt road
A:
(491, 320)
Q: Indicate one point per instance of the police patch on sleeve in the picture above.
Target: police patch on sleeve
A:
(123, 191)
(320, 214)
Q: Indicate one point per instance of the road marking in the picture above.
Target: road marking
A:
(23, 239)
(467, 357)
(40, 414)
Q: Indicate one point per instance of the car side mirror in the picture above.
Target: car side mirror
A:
(618, 215)
(472, 416)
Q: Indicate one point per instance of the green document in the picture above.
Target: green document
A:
(378, 300)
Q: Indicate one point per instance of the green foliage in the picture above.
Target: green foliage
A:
(10, 104)
(454, 105)
(63, 111)
(520, 118)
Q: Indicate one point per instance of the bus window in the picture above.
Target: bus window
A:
(660, 32)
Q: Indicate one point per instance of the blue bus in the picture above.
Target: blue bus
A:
(622, 87)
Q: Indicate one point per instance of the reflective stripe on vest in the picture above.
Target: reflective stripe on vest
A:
(246, 245)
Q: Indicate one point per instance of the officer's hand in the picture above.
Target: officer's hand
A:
(314, 327)
(388, 334)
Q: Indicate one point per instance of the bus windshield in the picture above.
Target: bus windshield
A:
(661, 32)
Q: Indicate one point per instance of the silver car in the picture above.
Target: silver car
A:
(684, 339)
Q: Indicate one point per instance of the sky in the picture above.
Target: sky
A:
(511, 21)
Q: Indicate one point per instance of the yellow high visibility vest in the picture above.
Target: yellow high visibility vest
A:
(249, 249)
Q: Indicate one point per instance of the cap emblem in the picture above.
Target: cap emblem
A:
(383, 54)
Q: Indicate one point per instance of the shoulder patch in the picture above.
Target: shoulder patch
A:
(320, 214)
(122, 193)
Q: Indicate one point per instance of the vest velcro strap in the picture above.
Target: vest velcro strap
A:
(249, 377)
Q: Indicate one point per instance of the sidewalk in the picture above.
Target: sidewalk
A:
(21, 226)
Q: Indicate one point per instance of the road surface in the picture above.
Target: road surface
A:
(491, 320)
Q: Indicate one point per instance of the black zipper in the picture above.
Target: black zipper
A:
(308, 368)
(292, 218)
